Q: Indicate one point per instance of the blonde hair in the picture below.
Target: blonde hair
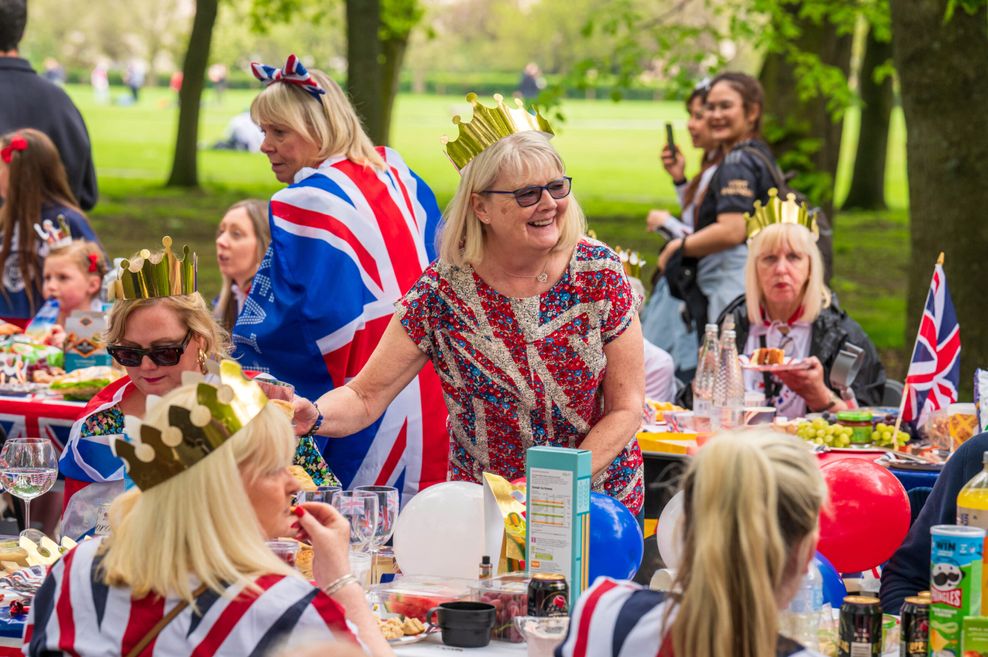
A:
(198, 523)
(257, 211)
(192, 312)
(330, 122)
(463, 236)
(79, 251)
(751, 499)
(816, 296)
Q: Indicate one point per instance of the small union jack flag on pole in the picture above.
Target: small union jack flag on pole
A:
(935, 368)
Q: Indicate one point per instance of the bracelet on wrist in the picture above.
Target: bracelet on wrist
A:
(680, 183)
(830, 404)
(315, 426)
(338, 584)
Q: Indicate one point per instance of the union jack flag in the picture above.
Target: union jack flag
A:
(347, 242)
(935, 369)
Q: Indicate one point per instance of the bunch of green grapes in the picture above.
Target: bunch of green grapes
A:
(821, 432)
(882, 435)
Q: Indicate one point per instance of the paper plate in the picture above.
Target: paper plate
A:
(788, 364)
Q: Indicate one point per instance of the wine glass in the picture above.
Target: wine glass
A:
(387, 513)
(28, 468)
(360, 510)
(322, 494)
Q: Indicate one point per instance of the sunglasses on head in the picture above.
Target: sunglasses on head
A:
(161, 356)
(529, 196)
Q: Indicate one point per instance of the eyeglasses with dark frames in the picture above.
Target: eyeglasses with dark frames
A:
(161, 356)
(529, 196)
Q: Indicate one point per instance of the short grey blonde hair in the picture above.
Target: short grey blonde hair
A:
(192, 312)
(330, 122)
(463, 236)
(816, 296)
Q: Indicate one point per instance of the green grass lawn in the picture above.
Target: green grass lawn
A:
(611, 150)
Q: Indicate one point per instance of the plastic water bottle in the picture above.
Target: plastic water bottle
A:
(729, 387)
(801, 622)
(705, 379)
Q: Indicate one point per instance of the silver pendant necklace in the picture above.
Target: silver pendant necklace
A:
(541, 278)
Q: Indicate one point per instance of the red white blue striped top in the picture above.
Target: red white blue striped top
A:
(623, 619)
(75, 613)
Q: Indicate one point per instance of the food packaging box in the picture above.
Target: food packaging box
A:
(415, 595)
(509, 595)
(558, 514)
(83, 345)
(974, 636)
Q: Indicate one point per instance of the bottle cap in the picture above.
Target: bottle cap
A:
(485, 560)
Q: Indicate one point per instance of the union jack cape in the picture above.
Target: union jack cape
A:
(347, 242)
(935, 368)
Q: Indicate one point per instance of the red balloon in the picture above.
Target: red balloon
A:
(868, 515)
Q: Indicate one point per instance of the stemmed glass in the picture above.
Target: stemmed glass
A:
(387, 513)
(360, 510)
(28, 469)
(321, 494)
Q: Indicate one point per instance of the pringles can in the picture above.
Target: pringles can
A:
(860, 627)
(548, 595)
(955, 584)
(914, 628)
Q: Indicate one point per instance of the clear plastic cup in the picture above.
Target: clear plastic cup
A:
(287, 551)
(360, 567)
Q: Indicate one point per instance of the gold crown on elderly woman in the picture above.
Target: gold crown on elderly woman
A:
(487, 126)
(163, 274)
(224, 405)
(777, 211)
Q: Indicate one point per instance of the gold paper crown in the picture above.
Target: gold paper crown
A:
(162, 274)
(54, 237)
(487, 126)
(777, 211)
(155, 455)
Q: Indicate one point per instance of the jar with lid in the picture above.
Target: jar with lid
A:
(860, 424)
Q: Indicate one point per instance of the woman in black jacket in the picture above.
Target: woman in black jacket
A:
(787, 306)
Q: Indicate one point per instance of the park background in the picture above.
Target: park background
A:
(616, 72)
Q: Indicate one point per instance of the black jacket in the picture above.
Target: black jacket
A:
(830, 331)
(27, 100)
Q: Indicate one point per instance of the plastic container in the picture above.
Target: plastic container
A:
(972, 511)
(802, 618)
(860, 424)
(509, 595)
(415, 595)
(962, 423)
(543, 634)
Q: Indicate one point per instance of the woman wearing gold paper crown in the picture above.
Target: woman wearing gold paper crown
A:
(787, 306)
(531, 325)
(159, 329)
(185, 569)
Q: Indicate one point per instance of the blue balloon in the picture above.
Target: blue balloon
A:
(616, 543)
(833, 584)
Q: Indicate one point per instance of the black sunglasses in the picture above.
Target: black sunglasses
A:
(529, 196)
(161, 356)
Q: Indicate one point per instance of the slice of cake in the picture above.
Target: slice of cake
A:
(767, 356)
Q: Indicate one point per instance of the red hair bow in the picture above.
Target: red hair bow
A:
(18, 143)
(93, 262)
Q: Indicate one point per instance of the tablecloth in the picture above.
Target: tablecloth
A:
(39, 417)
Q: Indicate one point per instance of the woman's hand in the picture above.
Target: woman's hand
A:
(304, 415)
(328, 532)
(656, 219)
(808, 384)
(670, 248)
(674, 163)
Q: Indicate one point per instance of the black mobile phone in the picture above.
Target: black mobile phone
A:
(670, 142)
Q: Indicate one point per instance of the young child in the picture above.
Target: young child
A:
(73, 277)
(34, 188)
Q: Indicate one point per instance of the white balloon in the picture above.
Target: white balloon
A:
(669, 532)
(440, 532)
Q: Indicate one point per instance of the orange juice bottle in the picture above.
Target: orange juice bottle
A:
(972, 510)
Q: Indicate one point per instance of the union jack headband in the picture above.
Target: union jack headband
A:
(292, 73)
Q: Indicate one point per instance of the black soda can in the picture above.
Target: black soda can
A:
(860, 627)
(548, 595)
(914, 627)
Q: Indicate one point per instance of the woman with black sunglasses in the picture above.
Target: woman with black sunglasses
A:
(531, 326)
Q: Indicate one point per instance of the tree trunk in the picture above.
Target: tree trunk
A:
(394, 56)
(794, 121)
(364, 75)
(941, 78)
(185, 165)
(868, 182)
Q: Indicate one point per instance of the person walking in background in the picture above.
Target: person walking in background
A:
(532, 83)
(29, 101)
(134, 77)
(217, 74)
(100, 81)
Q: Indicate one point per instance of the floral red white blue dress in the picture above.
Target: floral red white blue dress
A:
(75, 613)
(522, 372)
